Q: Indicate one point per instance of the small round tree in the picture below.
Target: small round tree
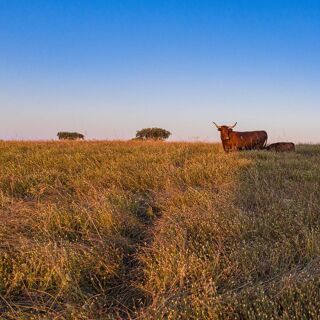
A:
(153, 134)
(70, 135)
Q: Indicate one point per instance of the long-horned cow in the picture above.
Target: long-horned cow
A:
(248, 140)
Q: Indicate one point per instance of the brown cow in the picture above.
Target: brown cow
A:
(249, 140)
(281, 147)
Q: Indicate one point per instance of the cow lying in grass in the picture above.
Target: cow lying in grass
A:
(281, 147)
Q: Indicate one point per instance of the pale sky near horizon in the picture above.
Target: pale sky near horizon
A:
(107, 68)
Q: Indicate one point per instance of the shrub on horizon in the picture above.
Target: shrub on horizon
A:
(152, 134)
(64, 135)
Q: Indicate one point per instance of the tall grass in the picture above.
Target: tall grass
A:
(108, 230)
(252, 253)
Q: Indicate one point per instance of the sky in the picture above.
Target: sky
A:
(107, 68)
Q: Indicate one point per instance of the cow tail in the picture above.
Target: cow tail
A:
(265, 143)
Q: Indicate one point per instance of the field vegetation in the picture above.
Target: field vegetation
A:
(136, 230)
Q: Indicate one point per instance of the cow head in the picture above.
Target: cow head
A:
(225, 131)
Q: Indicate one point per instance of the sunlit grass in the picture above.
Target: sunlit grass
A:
(158, 230)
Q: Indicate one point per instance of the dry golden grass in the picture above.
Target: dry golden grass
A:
(110, 230)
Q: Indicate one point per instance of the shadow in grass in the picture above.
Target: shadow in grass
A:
(249, 251)
(277, 252)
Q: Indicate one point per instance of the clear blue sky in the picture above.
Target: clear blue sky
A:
(110, 67)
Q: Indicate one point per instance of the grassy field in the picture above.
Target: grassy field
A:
(133, 230)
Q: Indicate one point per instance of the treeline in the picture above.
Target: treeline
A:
(143, 134)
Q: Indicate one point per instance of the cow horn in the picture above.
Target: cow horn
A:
(231, 127)
(216, 125)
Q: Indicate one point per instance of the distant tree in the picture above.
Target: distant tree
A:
(152, 134)
(70, 135)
